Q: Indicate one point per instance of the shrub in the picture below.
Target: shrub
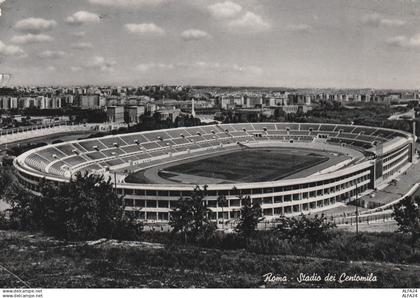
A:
(190, 218)
(249, 217)
(407, 215)
(317, 229)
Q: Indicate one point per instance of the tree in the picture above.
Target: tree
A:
(250, 214)
(20, 211)
(316, 230)
(85, 208)
(407, 215)
(6, 180)
(222, 201)
(190, 217)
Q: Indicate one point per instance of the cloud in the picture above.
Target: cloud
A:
(35, 25)
(10, 50)
(1, 1)
(224, 10)
(250, 21)
(51, 68)
(224, 67)
(376, 20)
(83, 17)
(31, 38)
(95, 63)
(403, 41)
(144, 28)
(52, 54)
(144, 67)
(81, 45)
(78, 34)
(300, 28)
(194, 34)
(100, 63)
(127, 3)
(202, 67)
(75, 68)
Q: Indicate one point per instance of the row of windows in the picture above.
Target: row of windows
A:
(236, 192)
(394, 154)
(237, 203)
(30, 177)
(392, 164)
(27, 185)
(394, 170)
(164, 216)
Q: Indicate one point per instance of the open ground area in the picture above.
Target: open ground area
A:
(43, 262)
(239, 166)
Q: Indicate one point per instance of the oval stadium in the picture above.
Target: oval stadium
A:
(290, 168)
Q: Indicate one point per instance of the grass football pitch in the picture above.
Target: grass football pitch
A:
(255, 165)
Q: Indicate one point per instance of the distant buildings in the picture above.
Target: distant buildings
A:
(132, 113)
(128, 104)
(166, 114)
(89, 102)
(7, 103)
(115, 114)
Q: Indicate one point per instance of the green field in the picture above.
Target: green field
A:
(254, 165)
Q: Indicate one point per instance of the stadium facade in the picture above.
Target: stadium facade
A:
(382, 155)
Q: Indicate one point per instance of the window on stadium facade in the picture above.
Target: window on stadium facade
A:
(163, 204)
(139, 203)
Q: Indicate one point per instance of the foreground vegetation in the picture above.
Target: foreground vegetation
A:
(46, 262)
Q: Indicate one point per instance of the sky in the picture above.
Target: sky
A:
(273, 43)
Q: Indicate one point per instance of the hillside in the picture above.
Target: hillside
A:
(43, 262)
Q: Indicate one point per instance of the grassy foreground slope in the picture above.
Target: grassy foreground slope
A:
(44, 262)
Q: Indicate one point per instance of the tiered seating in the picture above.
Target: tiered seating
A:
(110, 151)
(298, 133)
(67, 149)
(91, 145)
(343, 128)
(155, 136)
(131, 149)
(293, 126)
(95, 155)
(243, 126)
(92, 167)
(113, 152)
(57, 168)
(350, 142)
(150, 146)
(306, 139)
(111, 142)
(238, 133)
(51, 154)
(327, 128)
(129, 139)
(277, 132)
(388, 135)
(364, 130)
(79, 148)
(365, 138)
(229, 127)
(74, 160)
(180, 141)
(308, 127)
(347, 136)
(37, 162)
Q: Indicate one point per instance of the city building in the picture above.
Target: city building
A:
(115, 114)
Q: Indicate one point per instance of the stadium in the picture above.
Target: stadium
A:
(290, 168)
